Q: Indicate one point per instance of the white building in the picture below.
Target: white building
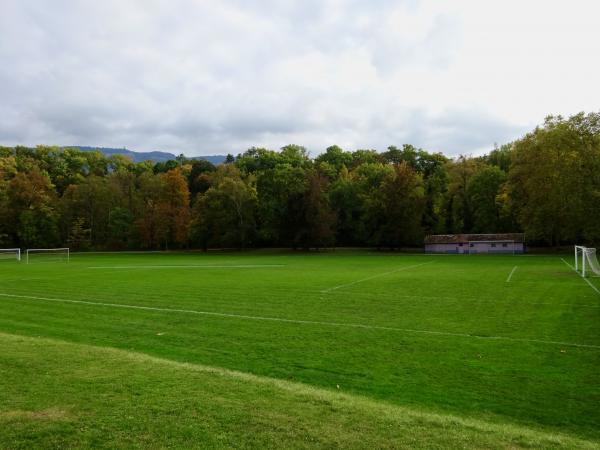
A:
(475, 243)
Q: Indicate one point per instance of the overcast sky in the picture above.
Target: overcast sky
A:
(206, 77)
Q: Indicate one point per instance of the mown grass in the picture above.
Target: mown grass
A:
(62, 395)
(446, 335)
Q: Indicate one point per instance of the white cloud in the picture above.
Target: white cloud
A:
(203, 77)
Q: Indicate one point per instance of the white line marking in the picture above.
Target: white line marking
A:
(303, 322)
(591, 285)
(511, 274)
(563, 260)
(244, 266)
(486, 300)
(374, 276)
(584, 279)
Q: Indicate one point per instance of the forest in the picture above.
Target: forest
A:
(545, 184)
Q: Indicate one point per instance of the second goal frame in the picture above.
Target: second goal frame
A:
(15, 251)
(63, 250)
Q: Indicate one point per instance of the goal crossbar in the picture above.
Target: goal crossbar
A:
(62, 250)
(15, 251)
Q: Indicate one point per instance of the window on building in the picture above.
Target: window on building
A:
(505, 245)
(493, 245)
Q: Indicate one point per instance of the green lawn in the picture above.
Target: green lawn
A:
(394, 341)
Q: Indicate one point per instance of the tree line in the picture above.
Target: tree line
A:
(546, 184)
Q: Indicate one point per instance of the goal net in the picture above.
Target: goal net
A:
(34, 255)
(586, 260)
(10, 254)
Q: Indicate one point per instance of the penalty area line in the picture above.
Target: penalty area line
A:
(302, 322)
(374, 276)
(584, 279)
(511, 274)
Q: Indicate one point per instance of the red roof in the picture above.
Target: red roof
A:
(465, 238)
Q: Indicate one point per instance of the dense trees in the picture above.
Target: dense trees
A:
(32, 216)
(546, 184)
(554, 181)
(163, 209)
(399, 206)
(224, 216)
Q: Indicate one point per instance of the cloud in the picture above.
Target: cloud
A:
(201, 77)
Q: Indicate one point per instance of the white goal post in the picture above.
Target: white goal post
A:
(586, 260)
(10, 253)
(49, 254)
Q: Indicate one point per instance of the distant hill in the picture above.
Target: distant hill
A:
(145, 156)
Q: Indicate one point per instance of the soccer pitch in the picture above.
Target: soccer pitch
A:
(272, 348)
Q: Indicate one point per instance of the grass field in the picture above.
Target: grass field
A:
(270, 349)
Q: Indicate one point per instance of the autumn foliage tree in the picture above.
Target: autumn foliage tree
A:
(32, 209)
(174, 208)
